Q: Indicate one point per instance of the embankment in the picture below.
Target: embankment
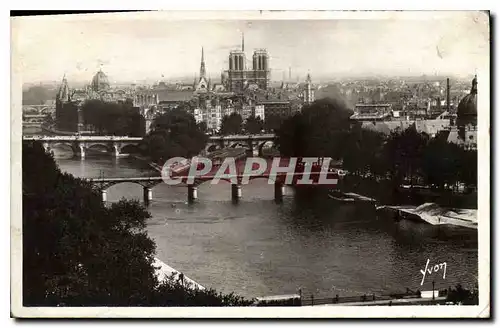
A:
(163, 271)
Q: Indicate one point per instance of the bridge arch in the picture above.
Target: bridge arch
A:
(129, 149)
(205, 181)
(212, 147)
(266, 178)
(144, 184)
(62, 145)
(262, 145)
(242, 144)
(99, 145)
(30, 110)
(46, 110)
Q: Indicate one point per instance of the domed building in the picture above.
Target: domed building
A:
(465, 130)
(99, 82)
(69, 116)
(467, 108)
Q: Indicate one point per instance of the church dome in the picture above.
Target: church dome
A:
(100, 82)
(467, 108)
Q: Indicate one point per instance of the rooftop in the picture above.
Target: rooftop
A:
(174, 95)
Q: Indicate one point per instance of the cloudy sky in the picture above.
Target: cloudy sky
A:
(131, 47)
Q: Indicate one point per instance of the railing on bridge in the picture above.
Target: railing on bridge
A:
(100, 138)
(243, 137)
(311, 300)
(34, 115)
(82, 138)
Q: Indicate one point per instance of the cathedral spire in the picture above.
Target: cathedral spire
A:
(63, 93)
(242, 41)
(202, 65)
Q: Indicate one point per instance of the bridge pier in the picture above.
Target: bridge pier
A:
(192, 193)
(116, 151)
(82, 151)
(235, 192)
(104, 196)
(147, 194)
(279, 191)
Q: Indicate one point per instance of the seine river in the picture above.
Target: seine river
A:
(258, 247)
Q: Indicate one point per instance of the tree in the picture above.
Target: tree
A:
(319, 130)
(272, 122)
(467, 167)
(203, 126)
(174, 134)
(405, 152)
(460, 295)
(113, 118)
(363, 149)
(441, 162)
(254, 125)
(78, 252)
(173, 292)
(231, 124)
(75, 250)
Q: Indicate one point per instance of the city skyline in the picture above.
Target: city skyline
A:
(132, 47)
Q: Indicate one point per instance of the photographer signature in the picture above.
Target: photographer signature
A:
(435, 268)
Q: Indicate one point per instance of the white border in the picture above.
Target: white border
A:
(296, 312)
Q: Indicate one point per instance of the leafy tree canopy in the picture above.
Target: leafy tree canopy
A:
(254, 125)
(113, 118)
(173, 134)
(324, 128)
(231, 124)
(78, 252)
(272, 123)
(320, 129)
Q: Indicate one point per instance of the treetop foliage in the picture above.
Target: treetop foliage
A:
(79, 252)
(323, 129)
(174, 134)
(114, 118)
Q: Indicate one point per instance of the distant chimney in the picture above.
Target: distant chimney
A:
(448, 94)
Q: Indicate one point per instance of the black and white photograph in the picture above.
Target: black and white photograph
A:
(263, 164)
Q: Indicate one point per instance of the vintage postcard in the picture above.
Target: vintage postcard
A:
(262, 164)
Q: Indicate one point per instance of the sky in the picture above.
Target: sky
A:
(157, 46)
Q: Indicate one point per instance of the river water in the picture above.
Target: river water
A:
(258, 248)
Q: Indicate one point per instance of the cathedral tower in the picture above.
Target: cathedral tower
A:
(202, 84)
(308, 92)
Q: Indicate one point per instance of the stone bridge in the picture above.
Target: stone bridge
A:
(34, 118)
(80, 144)
(39, 109)
(252, 143)
(116, 144)
(236, 179)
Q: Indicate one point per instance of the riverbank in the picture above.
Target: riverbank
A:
(387, 193)
(253, 248)
(164, 271)
(433, 208)
(433, 214)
